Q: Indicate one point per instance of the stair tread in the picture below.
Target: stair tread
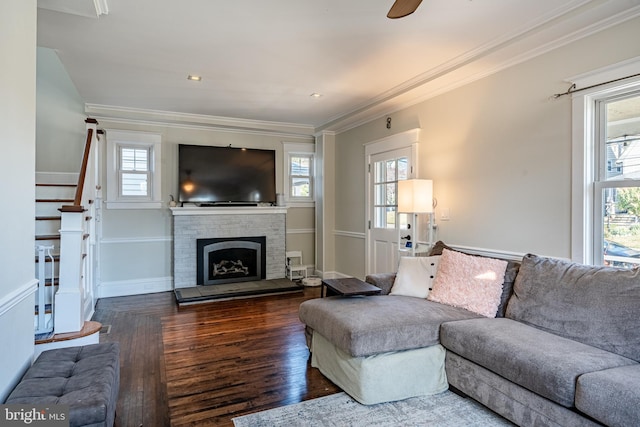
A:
(90, 327)
(56, 257)
(47, 309)
(48, 218)
(48, 237)
(54, 200)
(48, 184)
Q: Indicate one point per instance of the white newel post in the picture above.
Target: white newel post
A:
(69, 298)
(71, 304)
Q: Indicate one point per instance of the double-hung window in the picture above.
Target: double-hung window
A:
(301, 176)
(606, 167)
(617, 184)
(133, 170)
(299, 179)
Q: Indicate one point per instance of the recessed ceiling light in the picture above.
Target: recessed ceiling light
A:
(194, 78)
(316, 95)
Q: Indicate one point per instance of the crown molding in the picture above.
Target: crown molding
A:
(85, 8)
(457, 72)
(197, 121)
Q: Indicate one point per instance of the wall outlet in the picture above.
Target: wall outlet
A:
(445, 214)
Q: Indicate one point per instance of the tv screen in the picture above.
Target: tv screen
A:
(226, 175)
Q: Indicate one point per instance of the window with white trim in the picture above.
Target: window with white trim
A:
(299, 178)
(606, 166)
(617, 184)
(133, 170)
(134, 173)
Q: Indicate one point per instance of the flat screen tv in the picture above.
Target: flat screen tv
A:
(226, 175)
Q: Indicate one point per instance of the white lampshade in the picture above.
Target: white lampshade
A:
(415, 196)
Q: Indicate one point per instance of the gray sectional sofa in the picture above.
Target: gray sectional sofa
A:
(563, 349)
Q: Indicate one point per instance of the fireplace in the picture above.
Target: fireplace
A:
(191, 223)
(230, 259)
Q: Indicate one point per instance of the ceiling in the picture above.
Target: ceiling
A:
(260, 61)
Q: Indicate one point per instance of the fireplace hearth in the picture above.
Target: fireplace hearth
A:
(230, 260)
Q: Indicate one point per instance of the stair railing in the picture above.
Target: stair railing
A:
(73, 289)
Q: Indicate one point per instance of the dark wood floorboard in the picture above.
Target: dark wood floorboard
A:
(204, 364)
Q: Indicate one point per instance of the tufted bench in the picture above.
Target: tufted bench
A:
(86, 378)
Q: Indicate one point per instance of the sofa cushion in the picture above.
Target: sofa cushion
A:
(541, 362)
(469, 282)
(362, 326)
(611, 396)
(592, 304)
(509, 275)
(415, 276)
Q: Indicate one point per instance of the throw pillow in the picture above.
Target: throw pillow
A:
(415, 276)
(509, 275)
(469, 282)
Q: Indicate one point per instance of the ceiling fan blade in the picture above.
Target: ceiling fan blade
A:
(403, 8)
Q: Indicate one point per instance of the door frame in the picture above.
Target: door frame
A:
(407, 139)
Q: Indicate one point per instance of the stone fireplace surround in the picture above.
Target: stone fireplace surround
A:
(192, 223)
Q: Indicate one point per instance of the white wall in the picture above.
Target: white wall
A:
(17, 174)
(498, 150)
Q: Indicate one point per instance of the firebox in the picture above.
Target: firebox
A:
(229, 260)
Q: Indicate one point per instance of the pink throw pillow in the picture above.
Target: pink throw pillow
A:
(470, 282)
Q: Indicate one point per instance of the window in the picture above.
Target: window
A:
(606, 166)
(386, 174)
(299, 179)
(133, 170)
(617, 184)
(300, 176)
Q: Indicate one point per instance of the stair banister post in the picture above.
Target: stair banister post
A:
(69, 312)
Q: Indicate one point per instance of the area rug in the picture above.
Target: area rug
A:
(444, 409)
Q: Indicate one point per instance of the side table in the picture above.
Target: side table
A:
(347, 287)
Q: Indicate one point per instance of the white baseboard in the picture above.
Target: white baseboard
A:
(120, 288)
(331, 274)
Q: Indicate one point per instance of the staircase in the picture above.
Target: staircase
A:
(66, 250)
(49, 199)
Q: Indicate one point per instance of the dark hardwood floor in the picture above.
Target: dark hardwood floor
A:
(205, 364)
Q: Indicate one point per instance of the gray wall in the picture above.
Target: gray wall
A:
(498, 150)
(17, 175)
(60, 127)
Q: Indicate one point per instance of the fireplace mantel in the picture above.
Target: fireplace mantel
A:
(228, 210)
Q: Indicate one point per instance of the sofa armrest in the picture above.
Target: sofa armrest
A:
(382, 280)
